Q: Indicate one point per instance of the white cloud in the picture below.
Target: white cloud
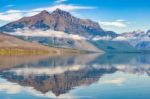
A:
(116, 23)
(12, 15)
(48, 33)
(10, 5)
(120, 20)
(12, 11)
(65, 7)
(60, 1)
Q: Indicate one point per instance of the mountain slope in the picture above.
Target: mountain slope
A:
(10, 45)
(7, 41)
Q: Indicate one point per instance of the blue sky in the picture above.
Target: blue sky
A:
(116, 15)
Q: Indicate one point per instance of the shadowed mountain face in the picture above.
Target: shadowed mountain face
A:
(60, 75)
(58, 20)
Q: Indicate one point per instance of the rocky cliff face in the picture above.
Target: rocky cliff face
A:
(58, 20)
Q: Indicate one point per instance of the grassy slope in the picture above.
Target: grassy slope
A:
(10, 45)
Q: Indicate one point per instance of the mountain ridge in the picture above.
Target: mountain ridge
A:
(58, 20)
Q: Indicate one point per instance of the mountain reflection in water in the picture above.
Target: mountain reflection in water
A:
(54, 77)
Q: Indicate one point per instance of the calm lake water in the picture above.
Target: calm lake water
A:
(91, 76)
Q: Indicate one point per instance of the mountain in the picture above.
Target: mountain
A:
(135, 41)
(58, 20)
(58, 29)
(138, 39)
(61, 29)
(134, 34)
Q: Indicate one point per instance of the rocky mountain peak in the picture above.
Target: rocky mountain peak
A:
(60, 12)
(44, 12)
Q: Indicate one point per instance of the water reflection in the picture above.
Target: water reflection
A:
(64, 77)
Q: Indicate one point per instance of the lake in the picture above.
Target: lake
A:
(88, 76)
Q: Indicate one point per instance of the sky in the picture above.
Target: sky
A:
(116, 15)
